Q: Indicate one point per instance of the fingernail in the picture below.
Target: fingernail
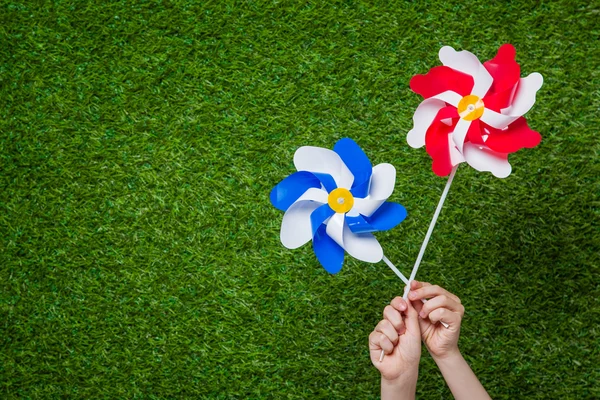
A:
(422, 314)
(412, 295)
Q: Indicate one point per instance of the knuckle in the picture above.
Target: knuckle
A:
(383, 324)
(383, 339)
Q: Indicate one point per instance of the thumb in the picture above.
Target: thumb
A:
(412, 320)
(423, 323)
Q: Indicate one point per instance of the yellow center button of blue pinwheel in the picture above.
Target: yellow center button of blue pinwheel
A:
(340, 200)
(470, 107)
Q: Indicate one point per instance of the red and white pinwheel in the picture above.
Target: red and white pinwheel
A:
(473, 112)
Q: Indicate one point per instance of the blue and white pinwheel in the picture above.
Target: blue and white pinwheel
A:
(337, 199)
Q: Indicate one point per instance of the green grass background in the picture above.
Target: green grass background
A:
(140, 257)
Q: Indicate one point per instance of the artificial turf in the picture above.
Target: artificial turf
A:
(139, 253)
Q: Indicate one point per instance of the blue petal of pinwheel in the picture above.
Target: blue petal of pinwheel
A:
(328, 252)
(327, 181)
(291, 188)
(358, 163)
(361, 190)
(359, 224)
(319, 216)
(387, 216)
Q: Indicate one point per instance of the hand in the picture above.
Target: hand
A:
(398, 335)
(441, 306)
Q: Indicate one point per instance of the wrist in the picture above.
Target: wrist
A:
(449, 355)
(404, 387)
(405, 381)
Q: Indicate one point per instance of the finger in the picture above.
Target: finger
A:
(399, 303)
(411, 320)
(417, 305)
(393, 315)
(452, 319)
(441, 301)
(428, 292)
(418, 285)
(374, 341)
(424, 324)
(385, 344)
(385, 327)
(379, 342)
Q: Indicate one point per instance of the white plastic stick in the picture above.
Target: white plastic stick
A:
(430, 231)
(396, 271)
(403, 278)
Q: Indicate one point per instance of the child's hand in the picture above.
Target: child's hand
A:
(441, 306)
(398, 335)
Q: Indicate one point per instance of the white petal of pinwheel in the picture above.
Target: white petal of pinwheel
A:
(525, 96)
(325, 161)
(467, 62)
(497, 120)
(449, 97)
(460, 133)
(422, 119)
(483, 82)
(314, 194)
(335, 228)
(523, 101)
(367, 206)
(383, 181)
(362, 246)
(484, 159)
(296, 228)
(353, 212)
(456, 156)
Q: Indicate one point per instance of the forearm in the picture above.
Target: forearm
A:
(403, 388)
(460, 378)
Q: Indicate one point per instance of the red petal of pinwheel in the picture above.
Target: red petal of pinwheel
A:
(437, 148)
(506, 73)
(515, 137)
(474, 134)
(437, 143)
(440, 79)
(445, 113)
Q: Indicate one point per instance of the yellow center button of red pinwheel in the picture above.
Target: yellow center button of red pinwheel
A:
(340, 200)
(470, 107)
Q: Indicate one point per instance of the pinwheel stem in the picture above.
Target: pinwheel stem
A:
(406, 281)
(429, 232)
(396, 271)
(413, 273)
